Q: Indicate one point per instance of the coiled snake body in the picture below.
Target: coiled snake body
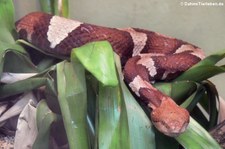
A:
(145, 55)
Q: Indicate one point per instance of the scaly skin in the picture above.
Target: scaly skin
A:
(146, 56)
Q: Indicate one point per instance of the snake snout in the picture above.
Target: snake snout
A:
(169, 118)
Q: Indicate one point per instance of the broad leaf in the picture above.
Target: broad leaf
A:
(197, 137)
(213, 97)
(47, 6)
(200, 73)
(112, 119)
(141, 131)
(191, 102)
(7, 21)
(61, 7)
(212, 59)
(97, 58)
(21, 86)
(44, 118)
(72, 98)
(178, 90)
(204, 69)
(17, 62)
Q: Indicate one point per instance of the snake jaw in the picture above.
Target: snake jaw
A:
(169, 118)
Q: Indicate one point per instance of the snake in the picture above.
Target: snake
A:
(146, 57)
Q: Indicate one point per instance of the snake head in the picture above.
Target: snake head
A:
(169, 118)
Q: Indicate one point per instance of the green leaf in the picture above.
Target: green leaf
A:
(20, 41)
(61, 7)
(165, 142)
(212, 97)
(7, 42)
(72, 98)
(52, 95)
(211, 59)
(97, 58)
(17, 62)
(191, 102)
(45, 63)
(45, 117)
(14, 58)
(141, 131)
(120, 118)
(204, 69)
(200, 116)
(9, 48)
(91, 106)
(7, 21)
(50, 89)
(112, 119)
(140, 128)
(55, 7)
(197, 137)
(21, 86)
(178, 90)
(47, 6)
(200, 73)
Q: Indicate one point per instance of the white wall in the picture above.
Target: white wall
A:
(203, 26)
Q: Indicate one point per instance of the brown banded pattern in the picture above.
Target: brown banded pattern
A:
(146, 57)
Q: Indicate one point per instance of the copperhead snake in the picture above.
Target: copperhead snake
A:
(146, 57)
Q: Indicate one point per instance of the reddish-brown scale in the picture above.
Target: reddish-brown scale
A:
(173, 57)
(158, 43)
(153, 101)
